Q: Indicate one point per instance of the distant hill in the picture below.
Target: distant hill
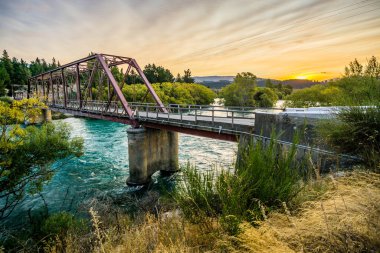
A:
(218, 82)
(200, 79)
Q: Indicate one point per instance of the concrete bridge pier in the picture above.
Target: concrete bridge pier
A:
(151, 150)
(46, 115)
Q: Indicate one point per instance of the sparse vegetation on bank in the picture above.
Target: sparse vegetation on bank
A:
(264, 177)
(355, 131)
(336, 213)
(270, 202)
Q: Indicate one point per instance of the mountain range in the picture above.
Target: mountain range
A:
(218, 82)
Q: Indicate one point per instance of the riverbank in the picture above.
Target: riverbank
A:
(338, 213)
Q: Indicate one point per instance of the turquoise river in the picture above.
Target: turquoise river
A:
(103, 169)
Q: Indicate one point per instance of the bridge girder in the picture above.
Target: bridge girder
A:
(89, 79)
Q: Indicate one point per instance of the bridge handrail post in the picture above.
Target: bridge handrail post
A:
(196, 118)
(213, 117)
(232, 118)
(156, 112)
(147, 110)
(180, 111)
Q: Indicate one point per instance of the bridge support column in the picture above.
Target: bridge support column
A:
(151, 150)
(46, 115)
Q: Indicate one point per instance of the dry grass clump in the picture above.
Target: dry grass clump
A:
(344, 219)
(339, 214)
(150, 233)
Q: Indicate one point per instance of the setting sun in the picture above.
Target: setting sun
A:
(301, 77)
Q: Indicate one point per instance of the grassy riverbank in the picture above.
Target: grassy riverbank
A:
(336, 213)
(272, 201)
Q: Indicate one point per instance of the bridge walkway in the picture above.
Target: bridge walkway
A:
(203, 120)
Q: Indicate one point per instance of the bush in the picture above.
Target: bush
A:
(264, 177)
(317, 95)
(8, 100)
(356, 132)
(59, 224)
(171, 93)
(265, 97)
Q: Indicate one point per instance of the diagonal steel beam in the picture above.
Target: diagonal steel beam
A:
(149, 86)
(89, 83)
(121, 87)
(122, 99)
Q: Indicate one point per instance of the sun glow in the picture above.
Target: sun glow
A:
(301, 77)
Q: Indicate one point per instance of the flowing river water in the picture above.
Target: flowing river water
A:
(103, 169)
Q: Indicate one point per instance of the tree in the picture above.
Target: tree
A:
(53, 64)
(179, 79)
(27, 153)
(7, 64)
(187, 77)
(241, 91)
(269, 84)
(373, 68)
(4, 79)
(245, 80)
(133, 78)
(265, 97)
(157, 74)
(354, 69)
(36, 67)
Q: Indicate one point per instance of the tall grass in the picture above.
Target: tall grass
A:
(265, 176)
(356, 132)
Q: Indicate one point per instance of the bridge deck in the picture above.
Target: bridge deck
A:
(211, 122)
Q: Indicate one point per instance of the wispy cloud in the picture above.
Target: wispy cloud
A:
(270, 38)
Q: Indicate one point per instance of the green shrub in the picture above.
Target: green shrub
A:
(357, 132)
(265, 97)
(264, 177)
(197, 195)
(8, 100)
(59, 224)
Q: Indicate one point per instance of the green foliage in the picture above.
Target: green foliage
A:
(13, 71)
(187, 77)
(7, 100)
(243, 92)
(373, 68)
(60, 224)
(4, 79)
(157, 74)
(281, 90)
(27, 153)
(356, 131)
(317, 95)
(171, 93)
(246, 80)
(265, 97)
(264, 177)
(359, 86)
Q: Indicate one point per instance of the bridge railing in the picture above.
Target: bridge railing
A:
(175, 112)
(98, 107)
(192, 113)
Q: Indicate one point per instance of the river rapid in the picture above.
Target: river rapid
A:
(103, 169)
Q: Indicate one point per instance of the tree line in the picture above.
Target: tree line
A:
(17, 72)
(360, 85)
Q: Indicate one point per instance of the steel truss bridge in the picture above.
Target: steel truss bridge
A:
(88, 88)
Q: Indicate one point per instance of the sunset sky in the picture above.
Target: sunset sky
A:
(272, 38)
